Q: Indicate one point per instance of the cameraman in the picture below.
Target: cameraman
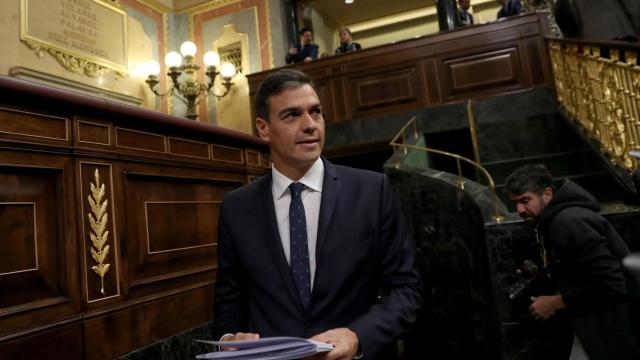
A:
(583, 254)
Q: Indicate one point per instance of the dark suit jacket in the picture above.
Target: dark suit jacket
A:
(463, 19)
(354, 46)
(511, 8)
(365, 277)
(309, 50)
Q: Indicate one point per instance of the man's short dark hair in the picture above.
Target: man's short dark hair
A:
(534, 178)
(274, 84)
(304, 30)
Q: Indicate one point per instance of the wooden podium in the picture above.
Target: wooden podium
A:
(108, 221)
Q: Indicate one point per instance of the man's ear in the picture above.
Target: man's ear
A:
(547, 195)
(263, 128)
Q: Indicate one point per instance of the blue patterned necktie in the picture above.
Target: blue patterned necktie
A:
(299, 262)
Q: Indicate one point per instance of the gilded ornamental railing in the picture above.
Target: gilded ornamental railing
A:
(400, 141)
(599, 85)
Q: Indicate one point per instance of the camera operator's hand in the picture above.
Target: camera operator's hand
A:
(543, 307)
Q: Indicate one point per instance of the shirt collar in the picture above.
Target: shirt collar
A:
(312, 179)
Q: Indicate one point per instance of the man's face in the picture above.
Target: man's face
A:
(306, 38)
(464, 4)
(345, 38)
(529, 205)
(295, 130)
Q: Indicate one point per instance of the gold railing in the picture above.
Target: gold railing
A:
(402, 136)
(602, 93)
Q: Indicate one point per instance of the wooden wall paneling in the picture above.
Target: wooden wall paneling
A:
(38, 266)
(449, 66)
(161, 250)
(535, 62)
(189, 148)
(378, 63)
(63, 342)
(146, 321)
(30, 126)
(395, 88)
(338, 100)
(98, 236)
(252, 157)
(431, 81)
(265, 160)
(93, 133)
(325, 94)
(157, 174)
(227, 154)
(482, 72)
(140, 140)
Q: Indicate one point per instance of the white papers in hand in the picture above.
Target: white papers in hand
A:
(270, 348)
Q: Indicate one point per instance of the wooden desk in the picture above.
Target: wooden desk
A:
(150, 183)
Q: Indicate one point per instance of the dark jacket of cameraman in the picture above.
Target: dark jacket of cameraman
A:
(585, 253)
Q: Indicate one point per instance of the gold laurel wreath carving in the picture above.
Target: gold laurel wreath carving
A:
(99, 234)
(72, 63)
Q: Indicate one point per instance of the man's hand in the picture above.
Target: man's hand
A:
(308, 59)
(293, 50)
(238, 337)
(345, 344)
(543, 307)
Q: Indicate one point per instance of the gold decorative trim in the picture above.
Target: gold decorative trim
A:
(66, 124)
(70, 62)
(35, 237)
(146, 223)
(210, 5)
(99, 235)
(114, 237)
(95, 124)
(602, 94)
(155, 5)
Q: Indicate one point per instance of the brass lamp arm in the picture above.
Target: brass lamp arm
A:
(212, 73)
(152, 81)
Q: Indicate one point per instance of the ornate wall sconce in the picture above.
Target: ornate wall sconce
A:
(187, 88)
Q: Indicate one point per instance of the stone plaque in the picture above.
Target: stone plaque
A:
(81, 30)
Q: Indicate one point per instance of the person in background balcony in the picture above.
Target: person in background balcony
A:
(463, 12)
(346, 42)
(509, 8)
(305, 51)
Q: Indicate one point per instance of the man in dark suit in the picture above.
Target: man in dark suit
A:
(312, 249)
(305, 51)
(465, 16)
(509, 8)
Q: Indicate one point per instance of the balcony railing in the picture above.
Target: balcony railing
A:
(409, 133)
(599, 86)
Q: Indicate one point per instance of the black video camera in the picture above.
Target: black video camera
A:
(531, 282)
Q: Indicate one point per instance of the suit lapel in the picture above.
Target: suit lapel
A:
(330, 192)
(269, 228)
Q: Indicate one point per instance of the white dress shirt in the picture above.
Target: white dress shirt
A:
(311, 197)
